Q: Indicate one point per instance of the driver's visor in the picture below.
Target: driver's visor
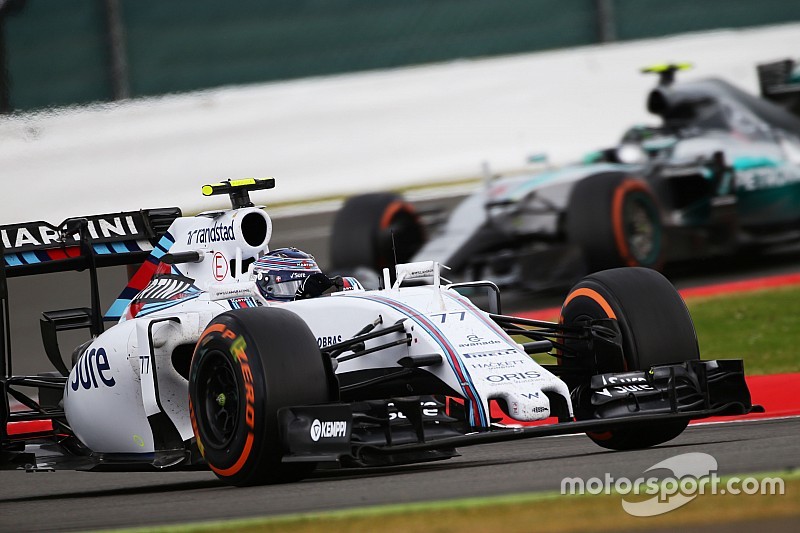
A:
(281, 290)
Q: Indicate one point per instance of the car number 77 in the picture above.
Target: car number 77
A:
(444, 315)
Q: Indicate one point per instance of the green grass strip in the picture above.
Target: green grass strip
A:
(761, 327)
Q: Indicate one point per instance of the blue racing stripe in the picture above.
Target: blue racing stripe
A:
(116, 309)
(30, 258)
(102, 249)
(119, 247)
(155, 307)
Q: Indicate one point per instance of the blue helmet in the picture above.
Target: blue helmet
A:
(279, 273)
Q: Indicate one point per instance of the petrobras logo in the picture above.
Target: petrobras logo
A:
(328, 429)
(330, 340)
(765, 177)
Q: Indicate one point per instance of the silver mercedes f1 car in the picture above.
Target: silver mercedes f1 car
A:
(719, 175)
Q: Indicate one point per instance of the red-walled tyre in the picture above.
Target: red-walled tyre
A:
(363, 229)
(656, 329)
(248, 364)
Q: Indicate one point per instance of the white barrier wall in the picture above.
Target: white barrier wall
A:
(352, 133)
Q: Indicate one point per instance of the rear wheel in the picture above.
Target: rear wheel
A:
(372, 229)
(615, 220)
(248, 364)
(656, 329)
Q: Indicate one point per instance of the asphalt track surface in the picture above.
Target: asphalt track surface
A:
(77, 501)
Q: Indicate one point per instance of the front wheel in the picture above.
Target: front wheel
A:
(656, 329)
(248, 364)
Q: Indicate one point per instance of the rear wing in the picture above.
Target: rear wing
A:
(80, 243)
(779, 82)
(84, 243)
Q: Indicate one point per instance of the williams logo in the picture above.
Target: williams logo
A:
(328, 430)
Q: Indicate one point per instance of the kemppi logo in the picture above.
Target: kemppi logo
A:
(329, 429)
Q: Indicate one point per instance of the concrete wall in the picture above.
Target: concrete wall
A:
(60, 52)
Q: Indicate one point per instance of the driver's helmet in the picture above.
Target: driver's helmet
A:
(279, 273)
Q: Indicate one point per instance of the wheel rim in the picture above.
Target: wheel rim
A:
(642, 229)
(218, 393)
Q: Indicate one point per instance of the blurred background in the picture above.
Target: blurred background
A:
(142, 101)
(83, 51)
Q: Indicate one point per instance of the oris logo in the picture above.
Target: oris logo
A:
(517, 376)
(326, 430)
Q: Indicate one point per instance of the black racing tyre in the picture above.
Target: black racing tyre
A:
(247, 364)
(656, 329)
(363, 228)
(616, 221)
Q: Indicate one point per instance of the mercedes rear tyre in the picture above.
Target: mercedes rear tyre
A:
(248, 364)
(616, 221)
(656, 329)
(375, 230)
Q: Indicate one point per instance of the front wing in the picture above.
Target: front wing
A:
(425, 428)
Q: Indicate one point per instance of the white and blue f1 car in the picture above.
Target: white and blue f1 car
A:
(203, 369)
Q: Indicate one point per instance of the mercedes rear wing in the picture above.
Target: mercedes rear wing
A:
(779, 82)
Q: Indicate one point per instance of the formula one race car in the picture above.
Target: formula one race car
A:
(214, 363)
(720, 175)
